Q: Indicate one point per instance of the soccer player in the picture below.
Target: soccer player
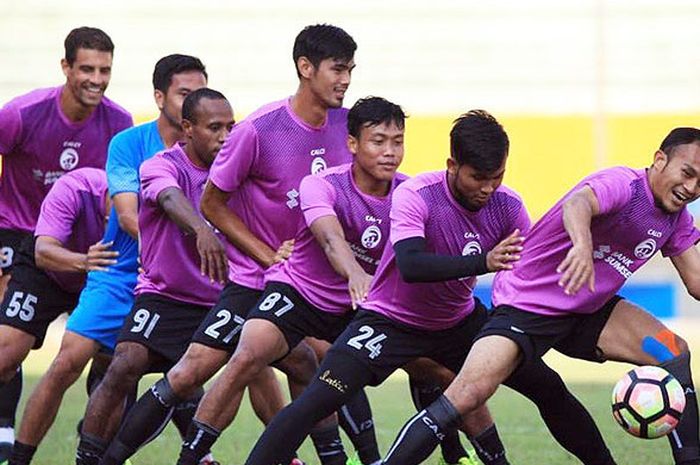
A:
(562, 294)
(106, 299)
(184, 263)
(421, 303)
(44, 134)
(346, 210)
(49, 273)
(252, 198)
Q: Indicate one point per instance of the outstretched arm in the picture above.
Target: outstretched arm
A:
(417, 265)
(577, 267)
(126, 205)
(329, 233)
(212, 254)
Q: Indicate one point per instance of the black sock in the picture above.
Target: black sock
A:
(355, 417)
(329, 447)
(10, 393)
(200, 438)
(143, 423)
(424, 395)
(684, 438)
(566, 418)
(421, 435)
(22, 454)
(184, 412)
(489, 447)
(90, 450)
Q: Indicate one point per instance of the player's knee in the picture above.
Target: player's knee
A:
(247, 364)
(122, 374)
(300, 365)
(183, 381)
(468, 397)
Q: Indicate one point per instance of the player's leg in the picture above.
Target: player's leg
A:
(261, 343)
(566, 418)
(633, 335)
(43, 404)
(15, 344)
(265, 394)
(153, 409)
(104, 408)
(427, 380)
(355, 417)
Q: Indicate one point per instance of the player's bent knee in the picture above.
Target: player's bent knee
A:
(183, 381)
(247, 363)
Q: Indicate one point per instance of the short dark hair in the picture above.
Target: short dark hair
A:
(679, 136)
(191, 103)
(477, 139)
(174, 64)
(373, 111)
(322, 41)
(86, 37)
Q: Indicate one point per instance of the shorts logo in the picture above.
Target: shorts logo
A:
(69, 159)
(317, 165)
(645, 249)
(332, 382)
(371, 237)
(472, 248)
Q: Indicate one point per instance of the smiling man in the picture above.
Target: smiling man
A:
(43, 135)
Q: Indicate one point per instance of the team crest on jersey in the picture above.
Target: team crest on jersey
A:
(472, 248)
(317, 165)
(645, 249)
(371, 237)
(69, 159)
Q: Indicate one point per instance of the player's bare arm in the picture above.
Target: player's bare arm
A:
(126, 205)
(329, 233)
(577, 266)
(688, 266)
(51, 254)
(215, 209)
(212, 253)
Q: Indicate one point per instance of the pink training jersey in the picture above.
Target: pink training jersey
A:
(629, 229)
(424, 207)
(262, 163)
(73, 212)
(365, 222)
(39, 144)
(169, 257)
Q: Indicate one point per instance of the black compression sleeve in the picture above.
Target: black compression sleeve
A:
(416, 265)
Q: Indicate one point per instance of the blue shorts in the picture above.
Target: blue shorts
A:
(102, 308)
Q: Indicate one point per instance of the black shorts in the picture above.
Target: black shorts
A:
(33, 301)
(11, 245)
(163, 325)
(575, 334)
(221, 328)
(282, 305)
(383, 345)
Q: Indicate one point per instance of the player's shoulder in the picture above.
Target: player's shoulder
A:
(428, 180)
(135, 135)
(616, 173)
(34, 97)
(114, 109)
(86, 179)
(269, 110)
(334, 171)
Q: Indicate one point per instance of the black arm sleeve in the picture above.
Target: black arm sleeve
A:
(418, 266)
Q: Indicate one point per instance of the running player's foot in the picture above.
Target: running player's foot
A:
(469, 460)
(5, 451)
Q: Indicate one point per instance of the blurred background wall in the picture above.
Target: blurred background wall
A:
(578, 84)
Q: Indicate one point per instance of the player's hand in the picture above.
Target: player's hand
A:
(284, 252)
(505, 253)
(99, 257)
(358, 286)
(577, 270)
(212, 255)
